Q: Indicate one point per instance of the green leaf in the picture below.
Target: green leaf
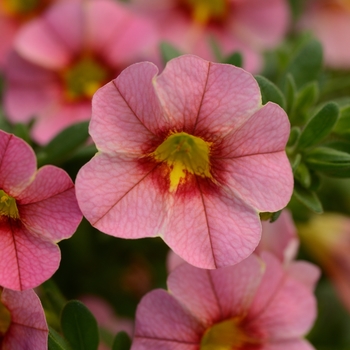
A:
(329, 161)
(64, 144)
(22, 131)
(56, 342)
(340, 145)
(302, 174)
(343, 124)
(294, 136)
(290, 91)
(79, 326)
(308, 198)
(295, 162)
(236, 59)
(168, 52)
(306, 97)
(319, 126)
(306, 64)
(270, 92)
(121, 342)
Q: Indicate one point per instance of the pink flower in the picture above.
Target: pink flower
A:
(37, 209)
(64, 56)
(252, 305)
(22, 321)
(327, 238)
(329, 20)
(13, 14)
(248, 26)
(190, 155)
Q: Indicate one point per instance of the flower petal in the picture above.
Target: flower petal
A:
(15, 175)
(200, 96)
(48, 206)
(304, 272)
(120, 198)
(162, 323)
(28, 329)
(211, 230)
(216, 295)
(295, 344)
(124, 121)
(265, 181)
(26, 260)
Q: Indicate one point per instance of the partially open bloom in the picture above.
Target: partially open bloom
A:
(327, 238)
(190, 155)
(37, 209)
(247, 26)
(64, 56)
(329, 20)
(22, 321)
(13, 14)
(252, 305)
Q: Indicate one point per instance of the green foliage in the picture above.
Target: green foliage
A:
(56, 342)
(270, 92)
(319, 126)
(121, 342)
(79, 326)
(236, 59)
(308, 198)
(64, 144)
(168, 52)
(343, 123)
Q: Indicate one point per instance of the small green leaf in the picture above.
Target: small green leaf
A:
(64, 144)
(340, 145)
(121, 342)
(22, 131)
(319, 126)
(329, 161)
(270, 92)
(306, 97)
(308, 198)
(56, 342)
(302, 174)
(79, 326)
(290, 91)
(306, 64)
(236, 59)
(168, 52)
(294, 136)
(343, 123)
(295, 162)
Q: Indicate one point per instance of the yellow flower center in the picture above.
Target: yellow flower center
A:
(82, 79)
(226, 335)
(8, 206)
(205, 11)
(22, 8)
(5, 319)
(184, 154)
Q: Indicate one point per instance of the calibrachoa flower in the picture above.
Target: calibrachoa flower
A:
(327, 238)
(329, 20)
(64, 56)
(190, 155)
(248, 26)
(252, 305)
(37, 209)
(22, 321)
(13, 13)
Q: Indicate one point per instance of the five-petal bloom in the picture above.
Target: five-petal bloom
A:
(190, 155)
(37, 209)
(252, 305)
(22, 321)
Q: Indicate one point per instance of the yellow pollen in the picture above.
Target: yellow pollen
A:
(184, 154)
(8, 206)
(82, 79)
(226, 335)
(204, 11)
(5, 319)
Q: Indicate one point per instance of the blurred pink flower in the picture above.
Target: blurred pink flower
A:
(64, 56)
(13, 14)
(329, 20)
(190, 155)
(37, 209)
(22, 321)
(248, 26)
(327, 238)
(252, 305)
